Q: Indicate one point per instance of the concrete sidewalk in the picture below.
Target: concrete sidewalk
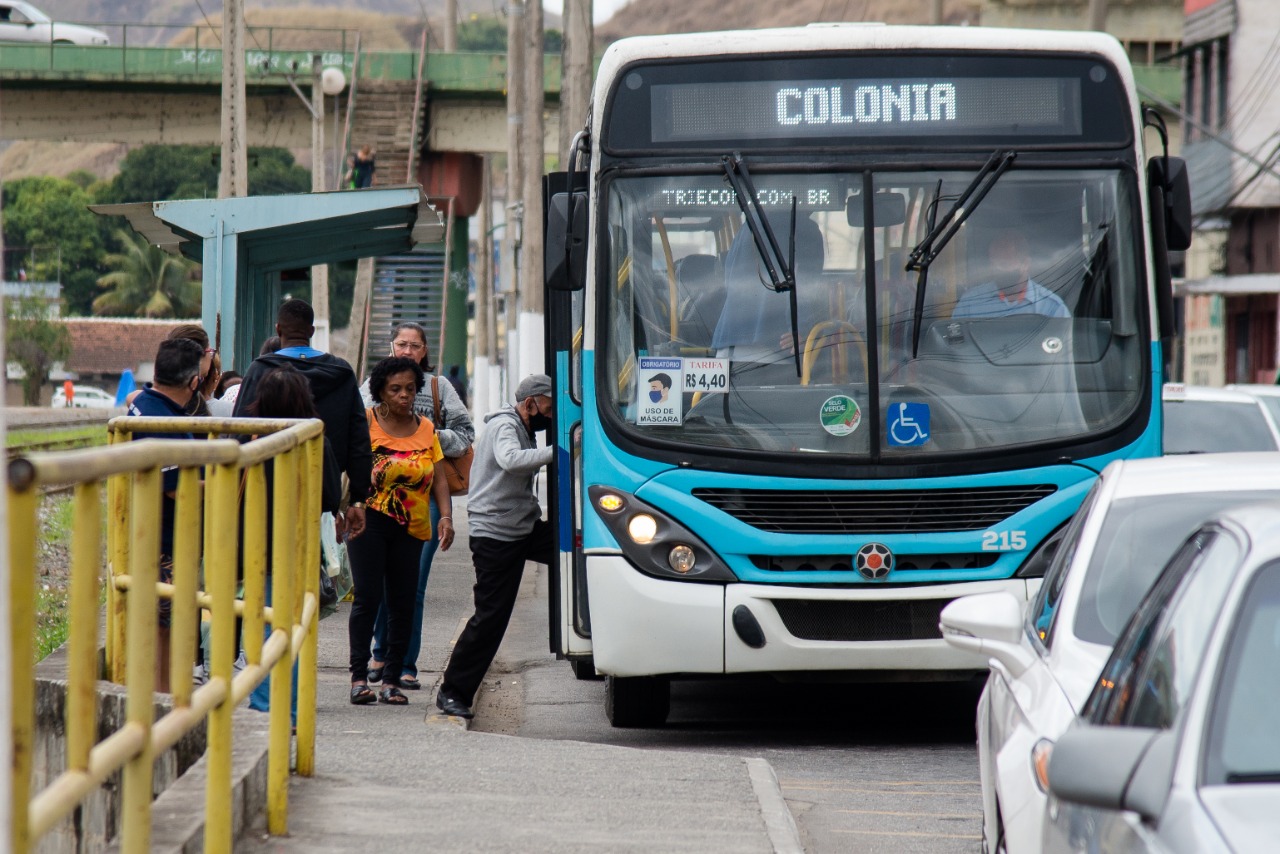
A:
(408, 779)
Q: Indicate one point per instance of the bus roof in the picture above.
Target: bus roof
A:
(819, 38)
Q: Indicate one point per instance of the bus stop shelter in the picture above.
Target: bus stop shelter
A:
(245, 245)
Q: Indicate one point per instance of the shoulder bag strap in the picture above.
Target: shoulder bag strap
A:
(435, 399)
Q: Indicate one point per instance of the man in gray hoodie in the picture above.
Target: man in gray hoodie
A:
(507, 529)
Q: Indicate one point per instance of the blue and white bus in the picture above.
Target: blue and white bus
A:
(844, 321)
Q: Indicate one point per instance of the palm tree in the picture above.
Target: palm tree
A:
(146, 281)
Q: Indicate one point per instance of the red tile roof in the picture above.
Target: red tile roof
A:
(109, 345)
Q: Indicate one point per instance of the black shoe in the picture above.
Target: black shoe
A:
(453, 707)
(375, 674)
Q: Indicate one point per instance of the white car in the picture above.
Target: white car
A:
(84, 397)
(24, 23)
(1268, 394)
(1045, 661)
(1177, 750)
(1203, 420)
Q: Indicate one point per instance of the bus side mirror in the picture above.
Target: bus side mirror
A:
(565, 258)
(1170, 174)
(889, 208)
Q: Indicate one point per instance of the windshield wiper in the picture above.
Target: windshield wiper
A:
(1254, 777)
(782, 271)
(941, 232)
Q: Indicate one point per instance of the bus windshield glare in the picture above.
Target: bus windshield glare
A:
(1025, 330)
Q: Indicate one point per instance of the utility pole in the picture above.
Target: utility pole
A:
(319, 272)
(532, 353)
(483, 338)
(577, 63)
(1098, 15)
(6, 642)
(233, 177)
(515, 134)
(935, 12)
(449, 42)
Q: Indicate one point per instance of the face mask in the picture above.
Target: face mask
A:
(538, 421)
(655, 396)
(1007, 280)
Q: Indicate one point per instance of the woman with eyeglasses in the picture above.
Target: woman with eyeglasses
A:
(456, 433)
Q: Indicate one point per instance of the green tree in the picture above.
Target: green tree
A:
(34, 342)
(153, 173)
(47, 221)
(146, 281)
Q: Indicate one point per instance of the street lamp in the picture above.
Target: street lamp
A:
(332, 82)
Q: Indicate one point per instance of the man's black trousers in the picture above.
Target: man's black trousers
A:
(499, 565)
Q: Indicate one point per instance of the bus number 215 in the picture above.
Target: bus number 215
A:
(1004, 541)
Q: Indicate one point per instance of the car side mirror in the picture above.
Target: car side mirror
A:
(989, 624)
(888, 208)
(565, 256)
(1114, 767)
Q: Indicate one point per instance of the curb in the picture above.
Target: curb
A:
(178, 815)
(778, 821)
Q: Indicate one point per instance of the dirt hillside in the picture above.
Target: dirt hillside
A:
(657, 17)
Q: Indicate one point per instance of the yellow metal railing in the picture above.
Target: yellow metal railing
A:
(220, 483)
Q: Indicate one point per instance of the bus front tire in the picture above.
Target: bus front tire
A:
(637, 701)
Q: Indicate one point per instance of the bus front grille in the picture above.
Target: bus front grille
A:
(823, 620)
(871, 513)
(901, 562)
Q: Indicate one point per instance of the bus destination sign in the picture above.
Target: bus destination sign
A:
(962, 106)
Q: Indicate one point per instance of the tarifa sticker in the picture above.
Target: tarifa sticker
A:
(840, 415)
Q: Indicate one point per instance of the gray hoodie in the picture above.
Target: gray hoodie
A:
(501, 504)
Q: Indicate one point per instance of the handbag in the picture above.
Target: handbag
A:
(457, 470)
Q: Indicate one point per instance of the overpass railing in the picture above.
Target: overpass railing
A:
(222, 490)
(455, 74)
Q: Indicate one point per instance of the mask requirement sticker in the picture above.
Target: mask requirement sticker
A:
(660, 391)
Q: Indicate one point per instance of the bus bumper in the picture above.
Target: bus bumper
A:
(645, 626)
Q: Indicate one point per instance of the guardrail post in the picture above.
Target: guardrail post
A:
(284, 560)
(308, 658)
(255, 561)
(135, 810)
(220, 581)
(186, 567)
(119, 524)
(23, 528)
(82, 645)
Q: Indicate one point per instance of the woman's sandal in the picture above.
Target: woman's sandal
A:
(362, 695)
(410, 682)
(392, 696)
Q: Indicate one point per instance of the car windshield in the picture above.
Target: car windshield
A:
(1138, 537)
(1244, 741)
(1026, 329)
(1214, 426)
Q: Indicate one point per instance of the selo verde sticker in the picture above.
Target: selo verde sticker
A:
(840, 415)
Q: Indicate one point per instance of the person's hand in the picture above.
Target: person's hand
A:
(444, 529)
(355, 522)
(340, 524)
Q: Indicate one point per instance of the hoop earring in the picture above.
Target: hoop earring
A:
(382, 410)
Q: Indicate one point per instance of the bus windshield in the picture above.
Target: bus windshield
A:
(1027, 328)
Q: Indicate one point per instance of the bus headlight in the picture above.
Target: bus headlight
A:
(642, 528)
(654, 542)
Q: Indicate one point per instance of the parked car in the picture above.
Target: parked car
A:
(1177, 749)
(84, 397)
(1268, 394)
(1045, 661)
(22, 22)
(1202, 420)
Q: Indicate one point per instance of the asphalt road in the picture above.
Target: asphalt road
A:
(864, 768)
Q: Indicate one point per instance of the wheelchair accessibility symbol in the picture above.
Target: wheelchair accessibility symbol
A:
(908, 424)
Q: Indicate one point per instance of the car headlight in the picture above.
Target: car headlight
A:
(654, 542)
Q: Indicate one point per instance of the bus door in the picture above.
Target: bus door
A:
(568, 612)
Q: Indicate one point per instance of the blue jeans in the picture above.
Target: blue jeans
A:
(260, 699)
(415, 627)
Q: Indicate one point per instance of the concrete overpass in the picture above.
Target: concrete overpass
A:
(172, 96)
